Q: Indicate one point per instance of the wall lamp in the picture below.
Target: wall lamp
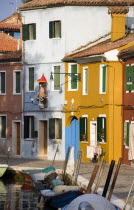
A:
(76, 76)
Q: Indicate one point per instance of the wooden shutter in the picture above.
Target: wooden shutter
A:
(31, 79)
(3, 129)
(74, 77)
(126, 133)
(52, 128)
(101, 129)
(83, 129)
(26, 127)
(18, 82)
(2, 82)
(34, 31)
(57, 29)
(57, 78)
(129, 75)
(50, 29)
(25, 32)
(32, 126)
(104, 79)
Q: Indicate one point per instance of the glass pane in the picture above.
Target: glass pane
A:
(52, 128)
(3, 129)
(86, 81)
(31, 32)
(17, 82)
(32, 126)
(2, 82)
(57, 78)
(104, 79)
(57, 29)
(31, 79)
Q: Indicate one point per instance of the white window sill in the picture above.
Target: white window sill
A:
(72, 89)
(101, 142)
(29, 139)
(16, 93)
(103, 93)
(2, 94)
(126, 147)
(83, 142)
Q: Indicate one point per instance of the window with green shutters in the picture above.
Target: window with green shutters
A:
(129, 78)
(126, 133)
(74, 77)
(55, 29)
(83, 129)
(56, 77)
(55, 128)
(31, 79)
(2, 82)
(17, 82)
(85, 80)
(2, 126)
(28, 127)
(103, 79)
(101, 129)
(29, 32)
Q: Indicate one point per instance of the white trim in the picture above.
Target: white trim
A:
(101, 82)
(69, 80)
(102, 115)
(85, 69)
(14, 82)
(91, 123)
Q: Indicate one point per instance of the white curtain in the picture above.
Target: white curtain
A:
(131, 143)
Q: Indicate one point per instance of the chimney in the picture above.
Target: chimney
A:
(118, 22)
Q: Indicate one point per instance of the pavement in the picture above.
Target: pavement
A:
(122, 185)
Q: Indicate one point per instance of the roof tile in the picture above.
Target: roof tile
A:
(8, 43)
(11, 56)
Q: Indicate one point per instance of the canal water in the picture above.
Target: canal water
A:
(17, 194)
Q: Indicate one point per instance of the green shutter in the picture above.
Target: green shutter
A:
(3, 129)
(32, 126)
(52, 128)
(26, 127)
(126, 133)
(18, 82)
(60, 128)
(104, 79)
(101, 129)
(2, 82)
(129, 77)
(34, 31)
(31, 79)
(50, 29)
(74, 77)
(59, 29)
(25, 32)
(57, 78)
(83, 129)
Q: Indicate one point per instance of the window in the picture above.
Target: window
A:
(126, 133)
(73, 82)
(2, 82)
(55, 128)
(31, 79)
(29, 32)
(28, 127)
(101, 129)
(129, 78)
(56, 77)
(17, 82)
(83, 129)
(102, 79)
(55, 29)
(2, 126)
(85, 81)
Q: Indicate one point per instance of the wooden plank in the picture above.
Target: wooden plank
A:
(109, 175)
(102, 166)
(94, 173)
(114, 179)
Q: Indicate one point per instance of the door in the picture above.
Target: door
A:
(42, 150)
(72, 136)
(18, 137)
(93, 133)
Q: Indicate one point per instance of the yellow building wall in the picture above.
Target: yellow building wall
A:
(95, 104)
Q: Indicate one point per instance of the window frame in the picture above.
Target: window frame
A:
(129, 88)
(52, 29)
(53, 71)
(85, 80)
(14, 82)
(59, 122)
(30, 129)
(0, 83)
(26, 32)
(101, 91)
(1, 127)
(33, 90)
(69, 80)
(84, 130)
(103, 117)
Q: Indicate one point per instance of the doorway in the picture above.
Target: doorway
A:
(16, 137)
(93, 133)
(42, 149)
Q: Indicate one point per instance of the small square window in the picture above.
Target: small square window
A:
(2, 82)
(29, 32)
(55, 29)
